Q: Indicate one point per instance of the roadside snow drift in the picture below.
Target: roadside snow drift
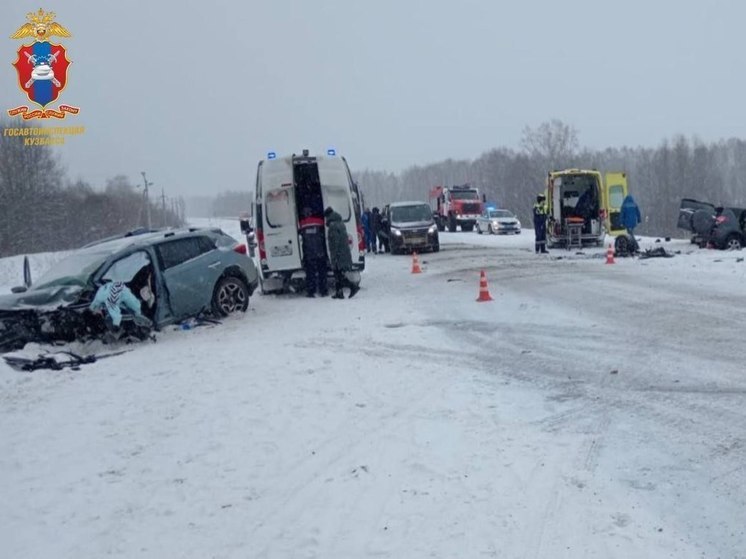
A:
(590, 410)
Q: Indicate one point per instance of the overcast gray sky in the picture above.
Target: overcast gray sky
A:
(196, 96)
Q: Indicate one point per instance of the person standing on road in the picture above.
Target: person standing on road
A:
(375, 227)
(367, 229)
(630, 218)
(311, 229)
(540, 224)
(339, 254)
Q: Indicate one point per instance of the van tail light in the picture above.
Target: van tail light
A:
(260, 244)
(360, 238)
(240, 248)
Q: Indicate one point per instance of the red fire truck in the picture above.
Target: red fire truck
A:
(456, 205)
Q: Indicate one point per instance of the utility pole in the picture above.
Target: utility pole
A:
(147, 197)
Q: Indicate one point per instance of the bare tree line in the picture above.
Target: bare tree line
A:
(658, 177)
(41, 211)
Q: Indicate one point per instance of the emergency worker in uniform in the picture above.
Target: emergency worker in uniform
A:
(339, 254)
(540, 224)
(313, 238)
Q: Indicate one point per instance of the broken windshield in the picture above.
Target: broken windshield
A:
(73, 270)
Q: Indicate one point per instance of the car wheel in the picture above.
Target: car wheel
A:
(436, 247)
(621, 245)
(230, 296)
(733, 242)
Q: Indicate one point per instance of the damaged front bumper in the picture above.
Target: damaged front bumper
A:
(19, 327)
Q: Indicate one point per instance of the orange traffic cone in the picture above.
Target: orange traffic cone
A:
(415, 264)
(484, 293)
(610, 255)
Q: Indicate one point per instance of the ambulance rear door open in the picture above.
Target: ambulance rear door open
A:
(615, 190)
(336, 191)
(279, 217)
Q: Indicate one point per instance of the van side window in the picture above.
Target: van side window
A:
(338, 198)
(278, 209)
(616, 196)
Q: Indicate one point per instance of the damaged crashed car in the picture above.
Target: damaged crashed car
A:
(176, 274)
(721, 227)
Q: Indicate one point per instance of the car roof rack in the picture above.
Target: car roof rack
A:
(131, 233)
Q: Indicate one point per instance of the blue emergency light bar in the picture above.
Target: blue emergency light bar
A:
(271, 155)
(331, 151)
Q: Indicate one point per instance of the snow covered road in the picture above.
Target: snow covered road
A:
(588, 411)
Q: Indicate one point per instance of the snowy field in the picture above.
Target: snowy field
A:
(590, 411)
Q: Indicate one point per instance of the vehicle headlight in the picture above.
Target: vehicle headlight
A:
(496, 223)
(518, 224)
(395, 231)
(432, 229)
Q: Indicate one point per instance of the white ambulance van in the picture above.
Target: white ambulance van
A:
(286, 187)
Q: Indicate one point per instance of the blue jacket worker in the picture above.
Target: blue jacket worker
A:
(630, 218)
(540, 224)
(368, 230)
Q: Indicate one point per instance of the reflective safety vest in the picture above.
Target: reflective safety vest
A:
(540, 212)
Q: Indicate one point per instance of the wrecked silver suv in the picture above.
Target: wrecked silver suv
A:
(176, 274)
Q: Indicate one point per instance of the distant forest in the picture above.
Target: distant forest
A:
(41, 210)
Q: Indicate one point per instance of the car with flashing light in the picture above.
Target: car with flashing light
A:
(176, 274)
(498, 221)
(410, 226)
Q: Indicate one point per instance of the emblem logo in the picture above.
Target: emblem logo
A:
(42, 66)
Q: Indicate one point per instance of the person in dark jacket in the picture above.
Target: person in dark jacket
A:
(630, 217)
(339, 253)
(540, 224)
(311, 228)
(375, 227)
(384, 229)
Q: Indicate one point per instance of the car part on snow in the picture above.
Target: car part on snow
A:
(55, 361)
(26, 272)
(658, 252)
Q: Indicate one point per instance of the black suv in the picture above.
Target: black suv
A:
(410, 226)
(723, 227)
